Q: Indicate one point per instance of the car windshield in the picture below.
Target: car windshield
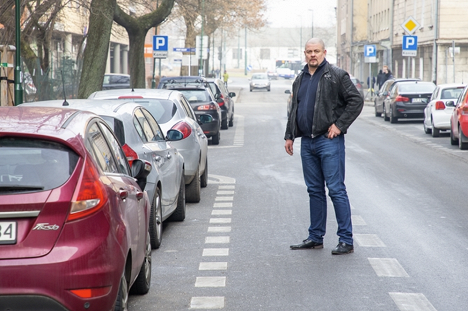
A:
(416, 87)
(33, 165)
(452, 93)
(195, 95)
(259, 77)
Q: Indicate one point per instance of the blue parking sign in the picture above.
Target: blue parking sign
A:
(409, 46)
(160, 46)
(370, 50)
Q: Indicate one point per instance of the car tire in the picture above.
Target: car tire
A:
(435, 131)
(426, 129)
(224, 124)
(231, 121)
(204, 176)
(462, 139)
(393, 119)
(121, 302)
(192, 190)
(268, 89)
(143, 281)
(179, 212)
(377, 114)
(453, 140)
(250, 89)
(215, 139)
(155, 223)
(385, 114)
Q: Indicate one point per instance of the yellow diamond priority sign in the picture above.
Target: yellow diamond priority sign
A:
(410, 25)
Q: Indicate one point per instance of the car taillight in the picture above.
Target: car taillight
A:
(400, 98)
(130, 154)
(91, 292)
(464, 110)
(222, 97)
(206, 107)
(90, 195)
(184, 128)
(439, 105)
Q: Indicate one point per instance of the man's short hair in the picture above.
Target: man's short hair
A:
(315, 40)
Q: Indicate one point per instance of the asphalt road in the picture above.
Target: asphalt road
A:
(407, 191)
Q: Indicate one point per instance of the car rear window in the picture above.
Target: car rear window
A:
(162, 109)
(416, 87)
(31, 165)
(195, 95)
(452, 93)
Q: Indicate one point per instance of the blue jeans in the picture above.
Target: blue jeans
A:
(323, 162)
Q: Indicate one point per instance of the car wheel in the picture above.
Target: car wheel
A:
(462, 139)
(377, 114)
(224, 124)
(215, 138)
(453, 140)
(268, 89)
(435, 131)
(250, 89)
(155, 223)
(385, 114)
(121, 303)
(231, 121)
(143, 281)
(426, 129)
(179, 212)
(204, 176)
(192, 191)
(393, 119)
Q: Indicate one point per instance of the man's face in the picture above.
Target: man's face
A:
(385, 69)
(314, 54)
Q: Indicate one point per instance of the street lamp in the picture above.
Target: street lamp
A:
(312, 31)
(18, 86)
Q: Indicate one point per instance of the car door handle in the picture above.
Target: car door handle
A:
(157, 158)
(139, 195)
(123, 194)
(169, 156)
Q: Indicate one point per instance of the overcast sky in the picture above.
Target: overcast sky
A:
(291, 13)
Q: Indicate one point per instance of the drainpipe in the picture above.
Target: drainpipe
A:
(434, 46)
(352, 34)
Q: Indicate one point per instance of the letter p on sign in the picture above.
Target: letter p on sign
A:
(370, 51)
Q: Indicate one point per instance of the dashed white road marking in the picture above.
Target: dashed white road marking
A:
(227, 187)
(357, 220)
(387, 267)
(368, 240)
(207, 303)
(222, 204)
(221, 212)
(217, 240)
(412, 302)
(208, 252)
(224, 198)
(210, 281)
(219, 229)
(220, 220)
(217, 179)
(225, 192)
(213, 266)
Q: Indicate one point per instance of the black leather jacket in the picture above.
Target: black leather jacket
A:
(337, 101)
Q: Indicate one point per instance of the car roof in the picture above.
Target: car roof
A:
(145, 93)
(451, 85)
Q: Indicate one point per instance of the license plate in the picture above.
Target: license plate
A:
(417, 100)
(7, 232)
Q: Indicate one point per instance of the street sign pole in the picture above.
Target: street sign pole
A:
(18, 85)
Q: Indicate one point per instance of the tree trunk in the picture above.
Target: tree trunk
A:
(135, 57)
(97, 47)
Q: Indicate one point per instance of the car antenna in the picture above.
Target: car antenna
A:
(65, 103)
(132, 84)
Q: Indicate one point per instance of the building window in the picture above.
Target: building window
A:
(237, 53)
(264, 53)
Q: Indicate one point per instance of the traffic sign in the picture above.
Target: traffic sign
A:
(410, 25)
(410, 46)
(183, 49)
(370, 53)
(160, 46)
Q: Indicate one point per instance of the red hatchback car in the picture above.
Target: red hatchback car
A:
(459, 121)
(73, 219)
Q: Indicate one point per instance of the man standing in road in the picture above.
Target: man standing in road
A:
(325, 102)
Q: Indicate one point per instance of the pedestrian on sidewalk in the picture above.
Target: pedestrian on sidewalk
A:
(325, 103)
(225, 78)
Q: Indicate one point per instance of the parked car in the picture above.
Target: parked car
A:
(141, 138)
(408, 100)
(438, 112)
(273, 75)
(383, 93)
(197, 91)
(116, 81)
(259, 81)
(358, 84)
(224, 99)
(459, 121)
(172, 111)
(73, 218)
(288, 102)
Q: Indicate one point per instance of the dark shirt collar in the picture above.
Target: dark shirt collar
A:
(306, 67)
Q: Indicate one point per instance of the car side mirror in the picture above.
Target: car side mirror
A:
(287, 92)
(141, 170)
(174, 135)
(205, 118)
(219, 100)
(232, 94)
(450, 103)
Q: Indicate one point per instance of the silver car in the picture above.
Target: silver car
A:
(172, 111)
(141, 138)
(259, 81)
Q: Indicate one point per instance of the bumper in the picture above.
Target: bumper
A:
(441, 119)
(213, 127)
(409, 111)
(253, 87)
(71, 264)
(190, 150)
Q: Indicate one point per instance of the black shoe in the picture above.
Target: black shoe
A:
(342, 248)
(307, 244)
